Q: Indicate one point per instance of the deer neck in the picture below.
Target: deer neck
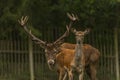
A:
(76, 62)
(78, 48)
(78, 53)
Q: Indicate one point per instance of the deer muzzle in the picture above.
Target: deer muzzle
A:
(51, 62)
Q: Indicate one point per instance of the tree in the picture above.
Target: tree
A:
(52, 13)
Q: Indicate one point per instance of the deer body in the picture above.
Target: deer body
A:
(86, 57)
(91, 54)
(66, 55)
(64, 59)
(59, 56)
(53, 52)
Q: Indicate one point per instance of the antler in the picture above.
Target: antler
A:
(64, 35)
(23, 22)
(72, 18)
(87, 31)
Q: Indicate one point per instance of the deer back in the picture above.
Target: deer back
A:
(91, 54)
(68, 46)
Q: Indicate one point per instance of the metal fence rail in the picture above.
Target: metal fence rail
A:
(14, 55)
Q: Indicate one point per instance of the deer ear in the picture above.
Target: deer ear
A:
(73, 30)
(86, 31)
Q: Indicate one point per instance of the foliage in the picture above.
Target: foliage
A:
(52, 13)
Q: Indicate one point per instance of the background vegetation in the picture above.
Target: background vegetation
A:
(47, 19)
(52, 13)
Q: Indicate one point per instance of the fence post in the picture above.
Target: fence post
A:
(31, 66)
(116, 53)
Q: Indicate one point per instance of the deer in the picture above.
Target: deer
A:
(58, 57)
(86, 57)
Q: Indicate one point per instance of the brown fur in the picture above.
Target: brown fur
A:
(91, 54)
(68, 45)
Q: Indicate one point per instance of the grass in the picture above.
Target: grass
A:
(13, 71)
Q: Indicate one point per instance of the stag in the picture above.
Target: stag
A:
(85, 58)
(57, 56)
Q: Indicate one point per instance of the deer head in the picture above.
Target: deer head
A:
(51, 49)
(80, 34)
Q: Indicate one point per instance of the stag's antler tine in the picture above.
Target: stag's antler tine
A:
(76, 17)
(72, 16)
(68, 30)
(22, 18)
(19, 21)
(26, 19)
(63, 36)
(87, 31)
(67, 27)
(23, 22)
